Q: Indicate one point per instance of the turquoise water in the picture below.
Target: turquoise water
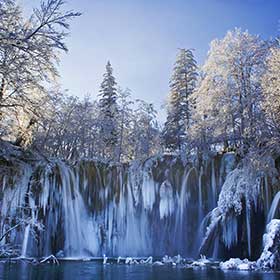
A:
(94, 270)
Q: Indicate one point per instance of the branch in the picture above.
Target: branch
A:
(9, 230)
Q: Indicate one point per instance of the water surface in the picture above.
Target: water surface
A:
(95, 270)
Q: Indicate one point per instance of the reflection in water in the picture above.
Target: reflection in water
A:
(93, 270)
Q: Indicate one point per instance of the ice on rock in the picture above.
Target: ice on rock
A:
(158, 263)
(128, 260)
(198, 264)
(178, 259)
(203, 259)
(149, 260)
(241, 185)
(167, 260)
(270, 257)
(238, 264)
(238, 185)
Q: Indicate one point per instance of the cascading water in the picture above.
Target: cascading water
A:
(25, 241)
(274, 207)
(91, 208)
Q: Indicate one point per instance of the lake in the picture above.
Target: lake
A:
(72, 270)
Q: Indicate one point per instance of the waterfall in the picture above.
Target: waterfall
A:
(200, 204)
(273, 208)
(25, 241)
(267, 197)
(248, 227)
(91, 208)
(213, 183)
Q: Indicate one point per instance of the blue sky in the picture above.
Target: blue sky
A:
(141, 38)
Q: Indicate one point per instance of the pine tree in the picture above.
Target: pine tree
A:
(183, 81)
(108, 113)
(182, 85)
(174, 128)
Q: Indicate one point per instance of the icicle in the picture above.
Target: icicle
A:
(148, 192)
(166, 206)
(200, 202)
(248, 227)
(213, 183)
(25, 241)
(266, 186)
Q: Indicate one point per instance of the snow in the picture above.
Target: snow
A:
(198, 264)
(105, 259)
(158, 263)
(237, 264)
(167, 260)
(239, 184)
(270, 257)
(129, 260)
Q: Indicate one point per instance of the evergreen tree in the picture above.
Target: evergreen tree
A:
(182, 85)
(174, 128)
(108, 113)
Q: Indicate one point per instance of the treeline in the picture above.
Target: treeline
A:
(113, 128)
(232, 102)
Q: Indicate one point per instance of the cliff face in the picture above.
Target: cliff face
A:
(162, 206)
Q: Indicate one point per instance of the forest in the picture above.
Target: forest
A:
(231, 102)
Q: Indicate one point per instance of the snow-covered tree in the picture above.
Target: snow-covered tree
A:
(29, 52)
(70, 130)
(144, 136)
(180, 103)
(125, 120)
(228, 97)
(108, 109)
(174, 127)
(271, 89)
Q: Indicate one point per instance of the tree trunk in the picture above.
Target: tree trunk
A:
(2, 89)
